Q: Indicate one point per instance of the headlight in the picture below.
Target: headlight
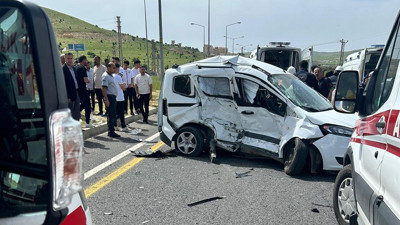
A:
(338, 130)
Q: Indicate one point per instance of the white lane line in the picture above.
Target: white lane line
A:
(117, 157)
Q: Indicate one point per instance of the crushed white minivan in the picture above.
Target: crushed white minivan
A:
(244, 105)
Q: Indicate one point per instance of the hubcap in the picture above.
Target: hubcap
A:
(186, 143)
(346, 203)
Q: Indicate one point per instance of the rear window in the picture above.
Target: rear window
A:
(182, 85)
(215, 86)
(281, 58)
(22, 125)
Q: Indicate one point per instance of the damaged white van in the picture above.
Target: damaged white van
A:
(244, 105)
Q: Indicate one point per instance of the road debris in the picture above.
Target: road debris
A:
(316, 204)
(315, 210)
(205, 201)
(108, 213)
(144, 222)
(241, 175)
(154, 154)
(136, 131)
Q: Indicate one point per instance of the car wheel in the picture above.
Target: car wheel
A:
(189, 141)
(295, 156)
(344, 203)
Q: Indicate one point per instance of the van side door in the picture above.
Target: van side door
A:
(373, 130)
(386, 204)
(261, 113)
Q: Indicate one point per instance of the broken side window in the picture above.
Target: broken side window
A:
(255, 95)
(182, 85)
(215, 86)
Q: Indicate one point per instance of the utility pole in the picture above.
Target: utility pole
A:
(121, 56)
(147, 44)
(343, 42)
(161, 40)
(208, 47)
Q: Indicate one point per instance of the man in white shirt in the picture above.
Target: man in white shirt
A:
(115, 60)
(120, 97)
(90, 85)
(98, 71)
(144, 89)
(135, 71)
(127, 78)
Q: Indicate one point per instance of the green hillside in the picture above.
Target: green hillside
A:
(329, 59)
(99, 41)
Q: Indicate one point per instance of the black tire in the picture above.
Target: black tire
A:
(342, 211)
(295, 156)
(189, 141)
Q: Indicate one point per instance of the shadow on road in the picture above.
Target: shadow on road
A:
(250, 162)
(94, 145)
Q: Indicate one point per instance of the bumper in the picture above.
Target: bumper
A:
(332, 148)
(165, 139)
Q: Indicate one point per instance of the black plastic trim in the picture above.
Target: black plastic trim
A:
(165, 139)
(339, 160)
(262, 137)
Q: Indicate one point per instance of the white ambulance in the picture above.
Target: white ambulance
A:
(367, 189)
(40, 144)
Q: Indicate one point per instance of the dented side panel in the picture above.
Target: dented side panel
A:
(219, 112)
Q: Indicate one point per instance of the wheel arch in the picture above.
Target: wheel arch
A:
(203, 128)
(311, 148)
(348, 156)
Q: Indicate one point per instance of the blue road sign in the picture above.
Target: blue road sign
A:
(79, 47)
(70, 46)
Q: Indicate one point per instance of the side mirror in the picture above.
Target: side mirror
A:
(346, 92)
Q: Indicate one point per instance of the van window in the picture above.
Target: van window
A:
(386, 75)
(252, 94)
(22, 126)
(215, 86)
(182, 85)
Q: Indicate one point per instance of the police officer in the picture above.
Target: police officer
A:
(305, 76)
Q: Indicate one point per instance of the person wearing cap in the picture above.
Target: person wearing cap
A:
(291, 70)
(335, 75)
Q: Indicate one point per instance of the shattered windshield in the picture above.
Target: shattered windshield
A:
(299, 93)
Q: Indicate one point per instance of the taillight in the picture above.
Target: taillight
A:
(66, 150)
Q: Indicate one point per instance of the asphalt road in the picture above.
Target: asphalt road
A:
(158, 190)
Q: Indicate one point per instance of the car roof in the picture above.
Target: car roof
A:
(238, 63)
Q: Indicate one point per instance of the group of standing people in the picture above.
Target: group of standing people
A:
(112, 85)
(316, 79)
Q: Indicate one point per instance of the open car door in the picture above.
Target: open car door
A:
(307, 54)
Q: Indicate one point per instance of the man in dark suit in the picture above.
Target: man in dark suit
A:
(72, 86)
(82, 79)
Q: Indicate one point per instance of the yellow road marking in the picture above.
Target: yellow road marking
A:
(117, 173)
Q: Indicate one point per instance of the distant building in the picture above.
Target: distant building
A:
(214, 50)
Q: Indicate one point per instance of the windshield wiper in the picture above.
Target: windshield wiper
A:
(310, 109)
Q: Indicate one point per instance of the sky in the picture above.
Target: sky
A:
(320, 23)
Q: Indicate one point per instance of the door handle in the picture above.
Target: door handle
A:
(380, 124)
(247, 112)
